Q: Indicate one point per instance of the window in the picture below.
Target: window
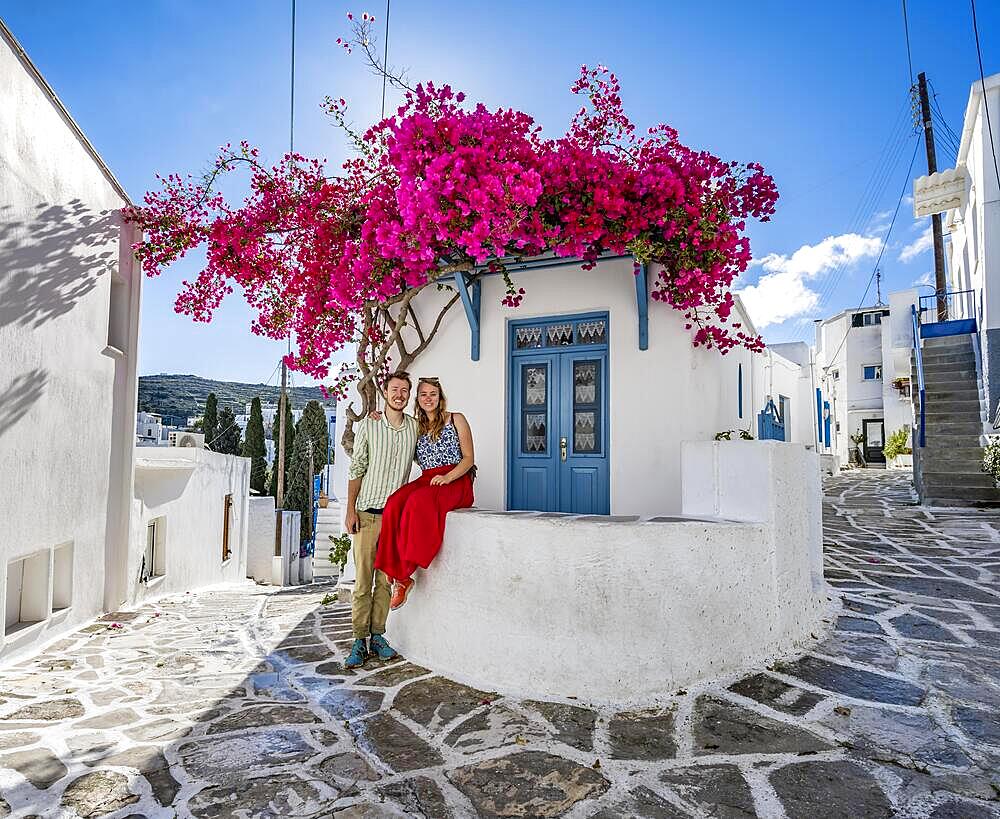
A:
(226, 521)
(836, 375)
(154, 558)
(739, 388)
(873, 372)
(870, 319)
(118, 314)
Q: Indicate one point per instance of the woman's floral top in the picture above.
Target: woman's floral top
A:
(445, 451)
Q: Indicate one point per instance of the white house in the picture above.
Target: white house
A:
(863, 374)
(968, 196)
(69, 323)
(581, 397)
(149, 430)
(602, 496)
(84, 508)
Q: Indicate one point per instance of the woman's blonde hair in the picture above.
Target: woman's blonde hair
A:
(424, 422)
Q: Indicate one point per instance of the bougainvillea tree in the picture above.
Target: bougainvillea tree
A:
(443, 186)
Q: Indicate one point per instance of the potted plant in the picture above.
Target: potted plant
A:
(854, 455)
(903, 386)
(991, 458)
(324, 501)
(897, 450)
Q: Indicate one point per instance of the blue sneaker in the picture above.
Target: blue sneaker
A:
(358, 655)
(380, 647)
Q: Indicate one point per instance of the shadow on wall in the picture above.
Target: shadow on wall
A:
(53, 260)
(22, 393)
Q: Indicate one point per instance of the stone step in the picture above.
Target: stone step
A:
(947, 372)
(961, 409)
(943, 479)
(941, 490)
(945, 342)
(946, 454)
(937, 426)
(961, 503)
(962, 360)
(960, 391)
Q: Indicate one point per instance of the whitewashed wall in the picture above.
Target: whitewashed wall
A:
(67, 365)
(186, 488)
(260, 538)
(658, 397)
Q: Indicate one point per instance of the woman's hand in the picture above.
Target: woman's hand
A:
(440, 480)
(375, 415)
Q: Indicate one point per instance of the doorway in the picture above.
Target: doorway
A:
(873, 431)
(558, 415)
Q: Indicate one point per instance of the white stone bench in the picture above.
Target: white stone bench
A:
(625, 609)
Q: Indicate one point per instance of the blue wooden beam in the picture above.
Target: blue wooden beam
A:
(471, 301)
(642, 305)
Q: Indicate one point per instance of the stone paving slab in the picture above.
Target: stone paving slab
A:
(235, 704)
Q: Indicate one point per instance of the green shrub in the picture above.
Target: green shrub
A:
(341, 546)
(898, 443)
(991, 459)
(727, 435)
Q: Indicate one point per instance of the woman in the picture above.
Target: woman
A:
(413, 519)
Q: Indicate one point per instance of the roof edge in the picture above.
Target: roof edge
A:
(22, 55)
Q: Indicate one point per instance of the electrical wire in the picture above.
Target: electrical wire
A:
(906, 31)
(892, 152)
(982, 80)
(885, 243)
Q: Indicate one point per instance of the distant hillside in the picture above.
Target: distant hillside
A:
(185, 395)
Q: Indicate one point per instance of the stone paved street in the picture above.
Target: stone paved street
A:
(235, 704)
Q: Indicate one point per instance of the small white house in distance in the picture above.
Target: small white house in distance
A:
(580, 398)
(863, 373)
(189, 520)
(69, 322)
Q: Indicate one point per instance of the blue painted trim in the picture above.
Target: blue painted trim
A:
(642, 306)
(739, 383)
(915, 321)
(545, 321)
(826, 424)
(940, 329)
(472, 302)
(819, 413)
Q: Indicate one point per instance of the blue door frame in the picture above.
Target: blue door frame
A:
(557, 386)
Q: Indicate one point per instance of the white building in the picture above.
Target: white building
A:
(968, 196)
(81, 498)
(69, 323)
(863, 374)
(149, 430)
(580, 398)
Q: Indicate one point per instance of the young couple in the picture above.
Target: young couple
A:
(397, 527)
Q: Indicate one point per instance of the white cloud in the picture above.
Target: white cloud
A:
(923, 243)
(927, 279)
(782, 291)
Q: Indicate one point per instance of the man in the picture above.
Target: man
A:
(380, 464)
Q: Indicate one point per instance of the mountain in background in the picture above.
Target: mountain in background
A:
(184, 396)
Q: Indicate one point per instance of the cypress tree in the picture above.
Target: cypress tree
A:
(228, 438)
(298, 495)
(272, 484)
(255, 449)
(314, 420)
(210, 421)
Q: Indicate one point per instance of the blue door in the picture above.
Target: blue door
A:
(558, 415)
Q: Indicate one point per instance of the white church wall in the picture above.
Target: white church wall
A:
(69, 313)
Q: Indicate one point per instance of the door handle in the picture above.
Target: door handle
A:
(562, 449)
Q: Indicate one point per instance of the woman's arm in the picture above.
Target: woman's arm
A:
(468, 452)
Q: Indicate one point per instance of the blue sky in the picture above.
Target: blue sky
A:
(815, 92)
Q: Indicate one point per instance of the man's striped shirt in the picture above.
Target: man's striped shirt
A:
(383, 457)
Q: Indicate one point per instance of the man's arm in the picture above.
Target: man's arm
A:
(357, 470)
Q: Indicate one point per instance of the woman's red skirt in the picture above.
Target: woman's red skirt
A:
(413, 522)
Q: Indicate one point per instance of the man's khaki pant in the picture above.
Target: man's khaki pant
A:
(369, 608)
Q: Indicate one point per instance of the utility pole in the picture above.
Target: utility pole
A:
(940, 284)
(280, 491)
(282, 403)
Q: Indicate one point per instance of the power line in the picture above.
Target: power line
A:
(385, 57)
(291, 107)
(982, 80)
(885, 243)
(906, 31)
